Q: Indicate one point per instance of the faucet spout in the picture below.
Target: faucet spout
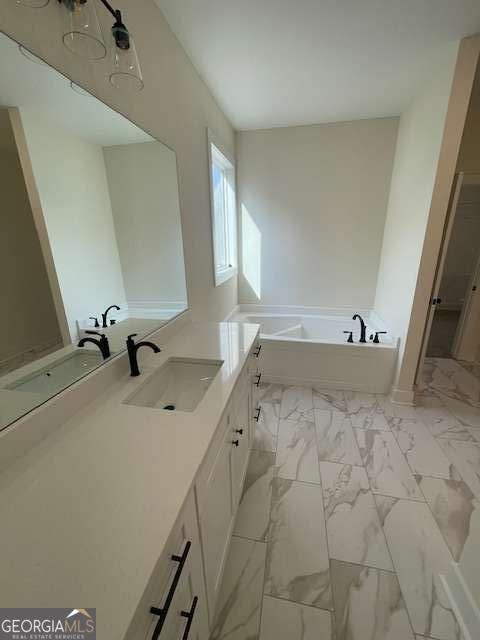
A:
(105, 314)
(363, 328)
(102, 344)
(133, 347)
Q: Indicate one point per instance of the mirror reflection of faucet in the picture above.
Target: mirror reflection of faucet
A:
(102, 344)
(105, 314)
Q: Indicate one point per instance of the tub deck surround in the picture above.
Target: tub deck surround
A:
(86, 513)
(308, 346)
(355, 540)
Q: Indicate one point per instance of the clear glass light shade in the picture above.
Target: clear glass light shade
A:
(126, 73)
(82, 33)
(31, 56)
(33, 4)
(80, 90)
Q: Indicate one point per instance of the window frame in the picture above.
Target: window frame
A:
(218, 154)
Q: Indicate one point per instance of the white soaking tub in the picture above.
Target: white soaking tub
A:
(308, 347)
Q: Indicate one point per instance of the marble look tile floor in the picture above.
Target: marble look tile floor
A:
(351, 509)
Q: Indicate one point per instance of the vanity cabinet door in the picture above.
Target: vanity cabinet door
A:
(240, 436)
(216, 520)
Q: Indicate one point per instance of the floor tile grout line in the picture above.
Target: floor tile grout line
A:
(422, 492)
(301, 604)
(320, 484)
(393, 497)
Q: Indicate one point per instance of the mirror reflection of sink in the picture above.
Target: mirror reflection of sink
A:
(178, 385)
(58, 374)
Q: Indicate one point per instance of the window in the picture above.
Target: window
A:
(224, 219)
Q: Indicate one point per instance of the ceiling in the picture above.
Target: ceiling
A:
(34, 85)
(290, 62)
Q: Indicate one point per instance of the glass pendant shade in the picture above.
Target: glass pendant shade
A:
(33, 4)
(31, 56)
(80, 90)
(126, 73)
(82, 34)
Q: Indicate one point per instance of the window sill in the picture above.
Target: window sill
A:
(224, 275)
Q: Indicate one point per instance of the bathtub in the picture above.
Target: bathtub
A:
(304, 346)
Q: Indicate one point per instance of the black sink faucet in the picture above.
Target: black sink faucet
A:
(102, 344)
(105, 314)
(363, 327)
(132, 348)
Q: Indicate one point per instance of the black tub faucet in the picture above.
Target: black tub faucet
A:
(363, 327)
(132, 348)
(105, 314)
(102, 344)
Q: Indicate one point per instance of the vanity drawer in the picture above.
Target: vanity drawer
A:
(169, 577)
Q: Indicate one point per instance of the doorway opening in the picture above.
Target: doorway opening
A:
(455, 315)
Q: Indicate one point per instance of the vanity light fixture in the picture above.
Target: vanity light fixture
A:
(82, 33)
(83, 36)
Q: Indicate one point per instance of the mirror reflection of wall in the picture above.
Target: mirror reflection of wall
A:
(28, 315)
(91, 221)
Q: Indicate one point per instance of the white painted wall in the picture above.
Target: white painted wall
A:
(142, 179)
(312, 206)
(175, 106)
(72, 184)
(28, 321)
(416, 158)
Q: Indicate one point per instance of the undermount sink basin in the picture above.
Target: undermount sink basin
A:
(178, 385)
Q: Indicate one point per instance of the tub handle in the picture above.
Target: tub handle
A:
(376, 339)
(350, 336)
(259, 376)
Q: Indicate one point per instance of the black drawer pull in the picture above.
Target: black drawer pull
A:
(259, 376)
(257, 352)
(257, 417)
(236, 443)
(239, 431)
(162, 612)
(189, 615)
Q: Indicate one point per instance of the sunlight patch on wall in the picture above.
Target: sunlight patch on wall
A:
(251, 252)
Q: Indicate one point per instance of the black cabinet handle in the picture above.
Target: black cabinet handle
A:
(259, 376)
(257, 352)
(239, 431)
(162, 612)
(236, 443)
(257, 417)
(189, 616)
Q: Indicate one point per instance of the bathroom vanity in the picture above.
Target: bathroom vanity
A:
(130, 508)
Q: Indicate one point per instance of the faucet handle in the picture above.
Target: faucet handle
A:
(131, 336)
(350, 337)
(97, 324)
(376, 339)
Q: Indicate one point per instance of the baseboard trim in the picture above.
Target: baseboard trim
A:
(462, 601)
(400, 396)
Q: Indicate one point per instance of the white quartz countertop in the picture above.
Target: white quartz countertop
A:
(85, 514)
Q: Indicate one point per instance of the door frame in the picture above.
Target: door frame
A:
(434, 297)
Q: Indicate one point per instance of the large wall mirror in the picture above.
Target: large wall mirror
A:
(90, 239)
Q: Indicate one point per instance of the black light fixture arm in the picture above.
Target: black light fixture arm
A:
(119, 30)
(115, 13)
